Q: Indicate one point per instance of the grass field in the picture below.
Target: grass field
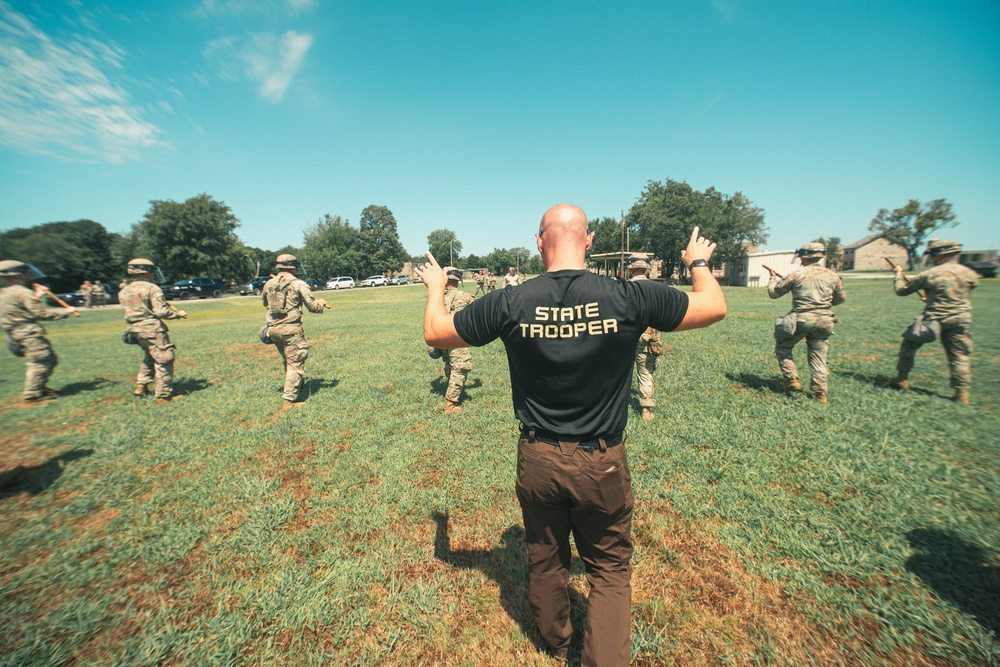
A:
(368, 528)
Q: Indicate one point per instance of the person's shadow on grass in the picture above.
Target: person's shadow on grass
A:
(439, 385)
(880, 381)
(79, 387)
(186, 385)
(958, 572)
(773, 384)
(508, 566)
(35, 479)
(316, 385)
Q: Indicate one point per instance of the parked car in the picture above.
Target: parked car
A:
(199, 288)
(254, 286)
(375, 281)
(400, 280)
(76, 299)
(985, 269)
(417, 279)
(315, 284)
(343, 282)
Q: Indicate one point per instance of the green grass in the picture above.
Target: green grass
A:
(368, 528)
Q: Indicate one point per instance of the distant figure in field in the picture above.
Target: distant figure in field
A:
(491, 281)
(481, 283)
(648, 353)
(284, 295)
(86, 291)
(457, 361)
(947, 315)
(99, 295)
(145, 308)
(20, 311)
(815, 290)
(512, 279)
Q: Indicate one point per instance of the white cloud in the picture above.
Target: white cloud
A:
(57, 99)
(270, 61)
(234, 7)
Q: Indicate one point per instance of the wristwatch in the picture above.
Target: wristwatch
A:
(697, 262)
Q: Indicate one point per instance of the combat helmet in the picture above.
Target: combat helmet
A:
(938, 247)
(287, 262)
(453, 273)
(811, 251)
(141, 266)
(639, 264)
(13, 267)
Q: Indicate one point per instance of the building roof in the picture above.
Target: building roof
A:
(862, 242)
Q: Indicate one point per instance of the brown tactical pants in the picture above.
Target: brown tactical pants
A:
(40, 358)
(565, 489)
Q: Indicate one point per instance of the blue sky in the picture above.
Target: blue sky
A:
(477, 116)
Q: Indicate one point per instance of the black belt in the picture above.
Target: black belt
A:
(584, 441)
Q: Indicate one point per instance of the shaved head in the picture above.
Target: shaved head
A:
(563, 240)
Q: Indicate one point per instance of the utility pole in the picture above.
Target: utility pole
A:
(621, 267)
(451, 252)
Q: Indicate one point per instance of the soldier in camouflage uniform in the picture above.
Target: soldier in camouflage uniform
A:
(284, 296)
(457, 362)
(481, 283)
(85, 291)
(815, 289)
(20, 310)
(947, 287)
(647, 353)
(145, 308)
(98, 294)
(491, 281)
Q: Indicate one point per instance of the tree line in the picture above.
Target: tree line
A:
(197, 237)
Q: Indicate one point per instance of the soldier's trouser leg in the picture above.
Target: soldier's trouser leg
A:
(157, 363)
(458, 363)
(956, 336)
(784, 351)
(645, 364)
(818, 371)
(907, 355)
(41, 360)
(565, 490)
(294, 351)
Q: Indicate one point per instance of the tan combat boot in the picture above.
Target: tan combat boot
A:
(36, 400)
(793, 385)
(451, 408)
(647, 414)
(288, 405)
(900, 381)
(164, 401)
(141, 390)
(961, 395)
(821, 397)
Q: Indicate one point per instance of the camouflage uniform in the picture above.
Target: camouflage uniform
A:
(491, 281)
(283, 296)
(145, 309)
(815, 290)
(947, 287)
(457, 362)
(86, 290)
(98, 294)
(647, 359)
(480, 283)
(20, 310)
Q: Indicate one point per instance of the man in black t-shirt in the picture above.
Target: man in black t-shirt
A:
(570, 337)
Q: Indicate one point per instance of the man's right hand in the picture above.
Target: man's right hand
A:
(182, 314)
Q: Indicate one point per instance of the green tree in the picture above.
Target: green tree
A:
(473, 262)
(667, 212)
(607, 235)
(909, 225)
(67, 252)
(445, 246)
(535, 265)
(834, 251)
(381, 249)
(499, 261)
(192, 238)
(331, 248)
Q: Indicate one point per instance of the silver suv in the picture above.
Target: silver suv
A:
(375, 281)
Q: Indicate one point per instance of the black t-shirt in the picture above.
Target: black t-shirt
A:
(571, 339)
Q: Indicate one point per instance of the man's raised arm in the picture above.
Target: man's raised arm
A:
(706, 302)
(439, 324)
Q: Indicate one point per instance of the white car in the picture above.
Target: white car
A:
(375, 281)
(343, 282)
